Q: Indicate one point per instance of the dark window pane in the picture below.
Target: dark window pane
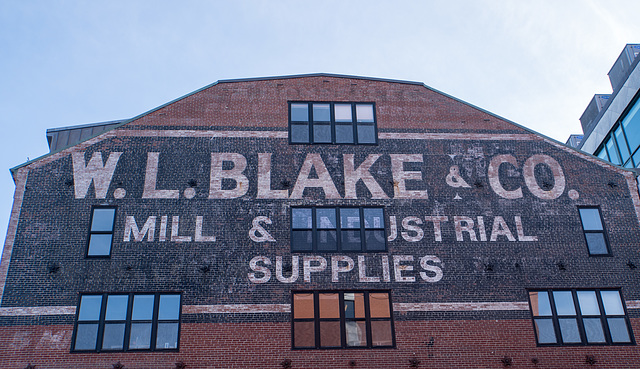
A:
(344, 133)
(356, 333)
(619, 330)
(113, 337)
(117, 307)
(564, 303)
(299, 133)
(596, 244)
(304, 334)
(622, 144)
(99, 244)
(379, 305)
(375, 240)
(569, 330)
(102, 220)
(351, 240)
(326, 218)
(343, 113)
(167, 336)
(364, 113)
(612, 302)
(329, 305)
(354, 305)
(322, 133)
(90, 307)
(301, 240)
(327, 241)
(303, 306)
(86, 337)
(140, 336)
(301, 218)
(545, 331)
(299, 112)
(350, 218)
(381, 333)
(169, 308)
(588, 303)
(321, 113)
(142, 307)
(366, 133)
(593, 329)
(373, 218)
(330, 334)
(540, 304)
(591, 219)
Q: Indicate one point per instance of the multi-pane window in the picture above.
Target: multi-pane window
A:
(330, 319)
(337, 229)
(121, 322)
(101, 231)
(594, 232)
(332, 123)
(622, 145)
(580, 317)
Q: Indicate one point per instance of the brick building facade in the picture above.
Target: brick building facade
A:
(320, 221)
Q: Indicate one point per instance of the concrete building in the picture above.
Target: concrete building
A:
(319, 221)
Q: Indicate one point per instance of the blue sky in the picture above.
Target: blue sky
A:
(62, 62)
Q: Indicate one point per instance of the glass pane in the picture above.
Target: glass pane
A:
(603, 154)
(140, 336)
(142, 307)
(326, 218)
(344, 133)
(117, 307)
(591, 219)
(102, 220)
(329, 305)
(613, 152)
(169, 308)
(381, 333)
(379, 305)
(303, 306)
(374, 240)
(564, 303)
(366, 133)
(631, 125)
(588, 303)
(540, 304)
(622, 144)
(304, 334)
(545, 331)
(356, 333)
(593, 329)
(343, 112)
(569, 330)
(350, 240)
(636, 158)
(612, 303)
(99, 244)
(350, 218)
(364, 113)
(354, 305)
(373, 218)
(330, 334)
(327, 241)
(301, 240)
(321, 113)
(90, 307)
(596, 244)
(299, 112)
(113, 337)
(322, 133)
(86, 337)
(300, 133)
(167, 336)
(301, 218)
(619, 330)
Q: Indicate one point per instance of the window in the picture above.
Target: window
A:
(622, 145)
(594, 233)
(337, 229)
(101, 231)
(332, 123)
(330, 319)
(121, 322)
(579, 317)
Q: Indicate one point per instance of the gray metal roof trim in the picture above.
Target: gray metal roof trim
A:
(291, 76)
(88, 125)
